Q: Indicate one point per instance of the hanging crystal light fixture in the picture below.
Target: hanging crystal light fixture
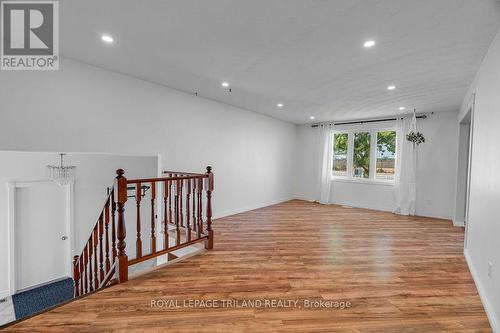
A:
(61, 174)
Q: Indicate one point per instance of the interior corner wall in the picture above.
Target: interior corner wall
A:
(483, 224)
(87, 109)
(436, 172)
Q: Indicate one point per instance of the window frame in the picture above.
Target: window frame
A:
(373, 156)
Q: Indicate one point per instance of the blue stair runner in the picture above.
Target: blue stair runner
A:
(32, 301)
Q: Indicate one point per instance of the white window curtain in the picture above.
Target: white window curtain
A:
(405, 182)
(324, 182)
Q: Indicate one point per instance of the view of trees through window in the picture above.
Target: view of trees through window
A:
(340, 142)
(355, 153)
(361, 155)
(386, 155)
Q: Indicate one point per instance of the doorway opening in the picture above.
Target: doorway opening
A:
(463, 168)
(40, 233)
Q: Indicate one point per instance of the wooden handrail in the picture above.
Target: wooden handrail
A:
(180, 202)
(164, 179)
(183, 173)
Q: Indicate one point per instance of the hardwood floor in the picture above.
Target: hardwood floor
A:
(400, 274)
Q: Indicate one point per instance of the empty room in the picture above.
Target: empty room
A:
(250, 166)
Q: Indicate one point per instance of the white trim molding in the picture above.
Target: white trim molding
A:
(4, 294)
(249, 208)
(11, 241)
(488, 308)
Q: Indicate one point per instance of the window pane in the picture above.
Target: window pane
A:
(340, 154)
(361, 155)
(386, 155)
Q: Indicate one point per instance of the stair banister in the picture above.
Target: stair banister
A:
(100, 265)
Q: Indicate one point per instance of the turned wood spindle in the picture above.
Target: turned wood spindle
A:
(181, 214)
(194, 205)
(176, 213)
(82, 273)
(188, 215)
(199, 187)
(91, 252)
(76, 276)
(153, 217)
(170, 184)
(166, 186)
(85, 264)
(106, 227)
(138, 243)
(101, 254)
(96, 272)
(113, 225)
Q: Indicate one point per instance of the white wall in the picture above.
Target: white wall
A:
(94, 174)
(83, 108)
(436, 171)
(483, 225)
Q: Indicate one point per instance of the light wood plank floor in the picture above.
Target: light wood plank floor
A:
(401, 274)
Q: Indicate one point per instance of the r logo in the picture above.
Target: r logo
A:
(29, 28)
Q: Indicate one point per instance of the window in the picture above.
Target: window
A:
(365, 155)
(361, 156)
(340, 142)
(386, 155)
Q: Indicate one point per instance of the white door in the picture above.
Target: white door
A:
(41, 234)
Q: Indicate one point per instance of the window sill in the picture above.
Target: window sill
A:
(363, 181)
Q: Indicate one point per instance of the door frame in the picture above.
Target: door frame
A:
(11, 212)
(471, 107)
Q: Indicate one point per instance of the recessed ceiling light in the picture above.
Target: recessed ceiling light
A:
(311, 117)
(401, 108)
(107, 39)
(369, 43)
(391, 87)
(225, 84)
(280, 105)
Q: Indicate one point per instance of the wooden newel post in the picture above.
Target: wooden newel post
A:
(121, 187)
(209, 243)
(76, 276)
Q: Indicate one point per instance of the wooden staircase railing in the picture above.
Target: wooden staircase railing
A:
(93, 270)
(178, 197)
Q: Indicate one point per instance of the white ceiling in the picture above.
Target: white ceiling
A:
(305, 54)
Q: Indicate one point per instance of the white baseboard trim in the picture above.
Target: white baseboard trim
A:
(4, 294)
(298, 197)
(350, 204)
(251, 207)
(458, 223)
(494, 321)
(371, 207)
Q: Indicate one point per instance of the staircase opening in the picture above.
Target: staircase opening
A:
(179, 204)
